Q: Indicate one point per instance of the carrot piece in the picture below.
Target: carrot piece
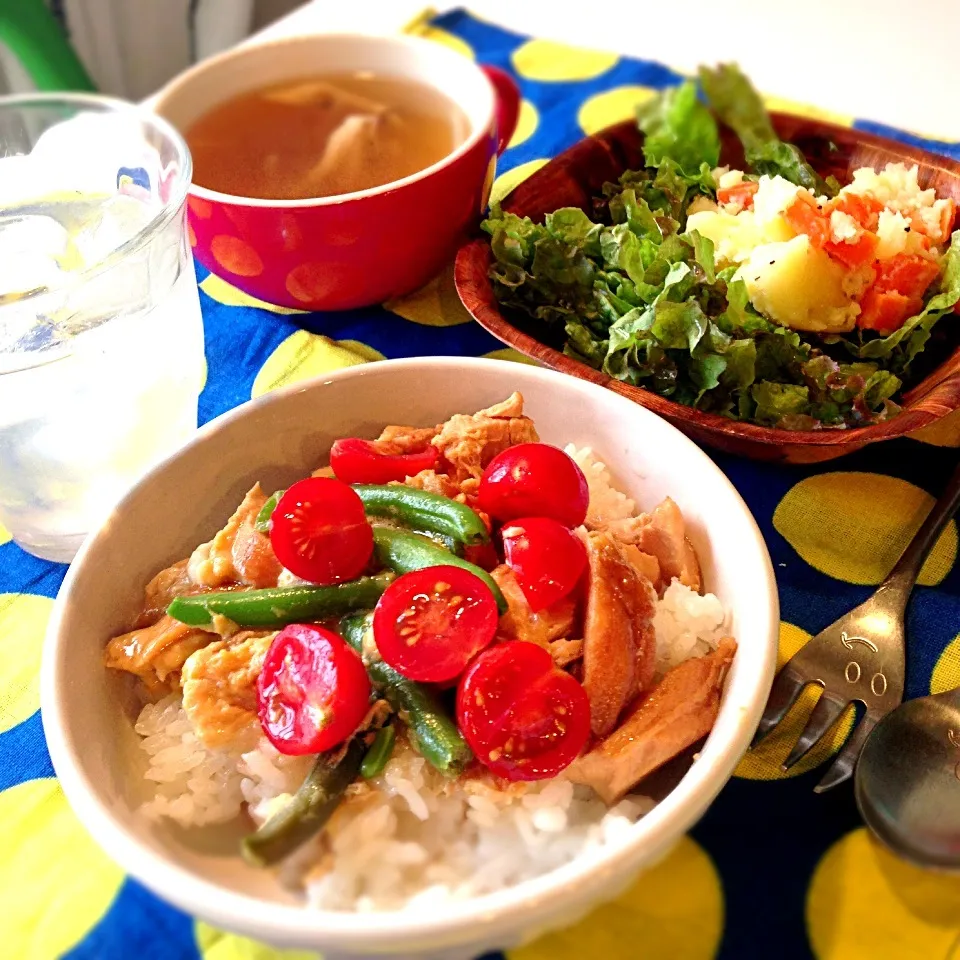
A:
(740, 194)
(862, 207)
(886, 310)
(947, 216)
(806, 217)
(856, 253)
(907, 274)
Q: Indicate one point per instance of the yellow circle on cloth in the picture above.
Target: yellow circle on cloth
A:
(604, 109)
(216, 288)
(236, 256)
(23, 621)
(4, 535)
(527, 121)
(863, 902)
(854, 526)
(55, 882)
(674, 910)
(303, 355)
(435, 304)
(946, 672)
(763, 762)
(214, 944)
(547, 60)
(508, 353)
(941, 433)
(439, 35)
(781, 105)
(507, 181)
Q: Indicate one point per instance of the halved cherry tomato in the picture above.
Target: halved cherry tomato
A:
(547, 558)
(523, 717)
(320, 532)
(358, 461)
(312, 692)
(740, 193)
(430, 623)
(534, 480)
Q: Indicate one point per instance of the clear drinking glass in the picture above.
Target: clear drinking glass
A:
(101, 339)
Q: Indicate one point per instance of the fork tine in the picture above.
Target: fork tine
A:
(842, 768)
(786, 688)
(822, 718)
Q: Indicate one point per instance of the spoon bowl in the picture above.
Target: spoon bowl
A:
(907, 783)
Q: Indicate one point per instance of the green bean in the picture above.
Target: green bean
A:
(425, 511)
(309, 810)
(403, 552)
(379, 752)
(432, 732)
(277, 606)
(262, 523)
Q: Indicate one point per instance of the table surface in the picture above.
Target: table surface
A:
(771, 870)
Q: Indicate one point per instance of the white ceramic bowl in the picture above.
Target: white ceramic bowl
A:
(278, 439)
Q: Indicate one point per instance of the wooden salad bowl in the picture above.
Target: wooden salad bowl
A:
(578, 174)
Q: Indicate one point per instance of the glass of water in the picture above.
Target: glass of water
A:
(101, 339)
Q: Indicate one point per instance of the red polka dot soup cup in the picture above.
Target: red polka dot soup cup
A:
(340, 252)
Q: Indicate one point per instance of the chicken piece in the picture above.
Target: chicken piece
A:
(565, 651)
(156, 653)
(645, 564)
(662, 534)
(468, 442)
(239, 553)
(174, 581)
(677, 713)
(396, 440)
(521, 623)
(619, 645)
(433, 482)
(220, 689)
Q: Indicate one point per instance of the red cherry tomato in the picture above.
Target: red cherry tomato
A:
(430, 623)
(547, 558)
(534, 480)
(320, 532)
(358, 461)
(313, 691)
(523, 717)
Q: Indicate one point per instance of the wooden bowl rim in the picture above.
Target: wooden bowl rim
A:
(485, 310)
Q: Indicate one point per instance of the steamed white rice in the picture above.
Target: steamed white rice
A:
(411, 838)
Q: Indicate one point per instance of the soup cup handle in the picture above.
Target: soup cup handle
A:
(508, 104)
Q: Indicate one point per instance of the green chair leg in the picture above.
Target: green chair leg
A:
(30, 32)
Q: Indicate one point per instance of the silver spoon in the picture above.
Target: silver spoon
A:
(907, 781)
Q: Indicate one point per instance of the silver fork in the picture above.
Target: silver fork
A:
(860, 657)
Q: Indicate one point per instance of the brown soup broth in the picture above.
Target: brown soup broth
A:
(323, 136)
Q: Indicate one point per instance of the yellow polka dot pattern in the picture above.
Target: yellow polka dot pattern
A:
(946, 672)
(55, 882)
(854, 526)
(226, 293)
(863, 902)
(23, 621)
(674, 910)
(780, 105)
(604, 109)
(444, 37)
(434, 305)
(214, 944)
(304, 355)
(547, 60)
(507, 181)
(527, 121)
(764, 761)
(4, 535)
(508, 353)
(941, 433)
